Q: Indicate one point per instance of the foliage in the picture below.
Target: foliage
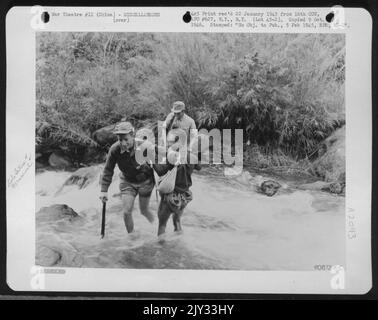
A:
(285, 90)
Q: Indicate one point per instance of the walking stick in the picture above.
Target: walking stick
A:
(103, 219)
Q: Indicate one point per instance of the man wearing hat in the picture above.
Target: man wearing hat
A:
(178, 119)
(135, 179)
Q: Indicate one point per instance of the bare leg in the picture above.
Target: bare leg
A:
(144, 208)
(163, 215)
(128, 204)
(177, 221)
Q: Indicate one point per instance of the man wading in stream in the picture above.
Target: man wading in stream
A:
(175, 202)
(178, 119)
(135, 179)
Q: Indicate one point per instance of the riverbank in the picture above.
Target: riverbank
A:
(229, 225)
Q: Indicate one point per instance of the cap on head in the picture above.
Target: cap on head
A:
(123, 128)
(178, 106)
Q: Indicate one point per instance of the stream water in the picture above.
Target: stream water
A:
(228, 225)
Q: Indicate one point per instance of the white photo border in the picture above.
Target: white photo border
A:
(22, 275)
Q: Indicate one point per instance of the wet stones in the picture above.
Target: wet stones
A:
(83, 177)
(58, 160)
(270, 187)
(57, 212)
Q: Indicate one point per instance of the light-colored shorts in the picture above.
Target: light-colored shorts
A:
(144, 188)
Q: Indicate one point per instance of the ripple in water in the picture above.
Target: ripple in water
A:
(225, 227)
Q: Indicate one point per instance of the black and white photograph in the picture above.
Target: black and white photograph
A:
(189, 150)
(96, 93)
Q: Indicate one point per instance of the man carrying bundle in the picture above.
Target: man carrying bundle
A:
(175, 201)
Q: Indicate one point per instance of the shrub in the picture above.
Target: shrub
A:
(285, 90)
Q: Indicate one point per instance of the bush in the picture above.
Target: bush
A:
(285, 90)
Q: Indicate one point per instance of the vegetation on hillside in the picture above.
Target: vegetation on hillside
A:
(285, 90)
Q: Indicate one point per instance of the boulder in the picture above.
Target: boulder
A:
(330, 165)
(56, 212)
(46, 256)
(83, 177)
(41, 160)
(270, 187)
(59, 160)
(39, 165)
(105, 136)
(335, 187)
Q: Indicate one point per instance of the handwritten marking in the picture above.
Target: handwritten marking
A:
(20, 171)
